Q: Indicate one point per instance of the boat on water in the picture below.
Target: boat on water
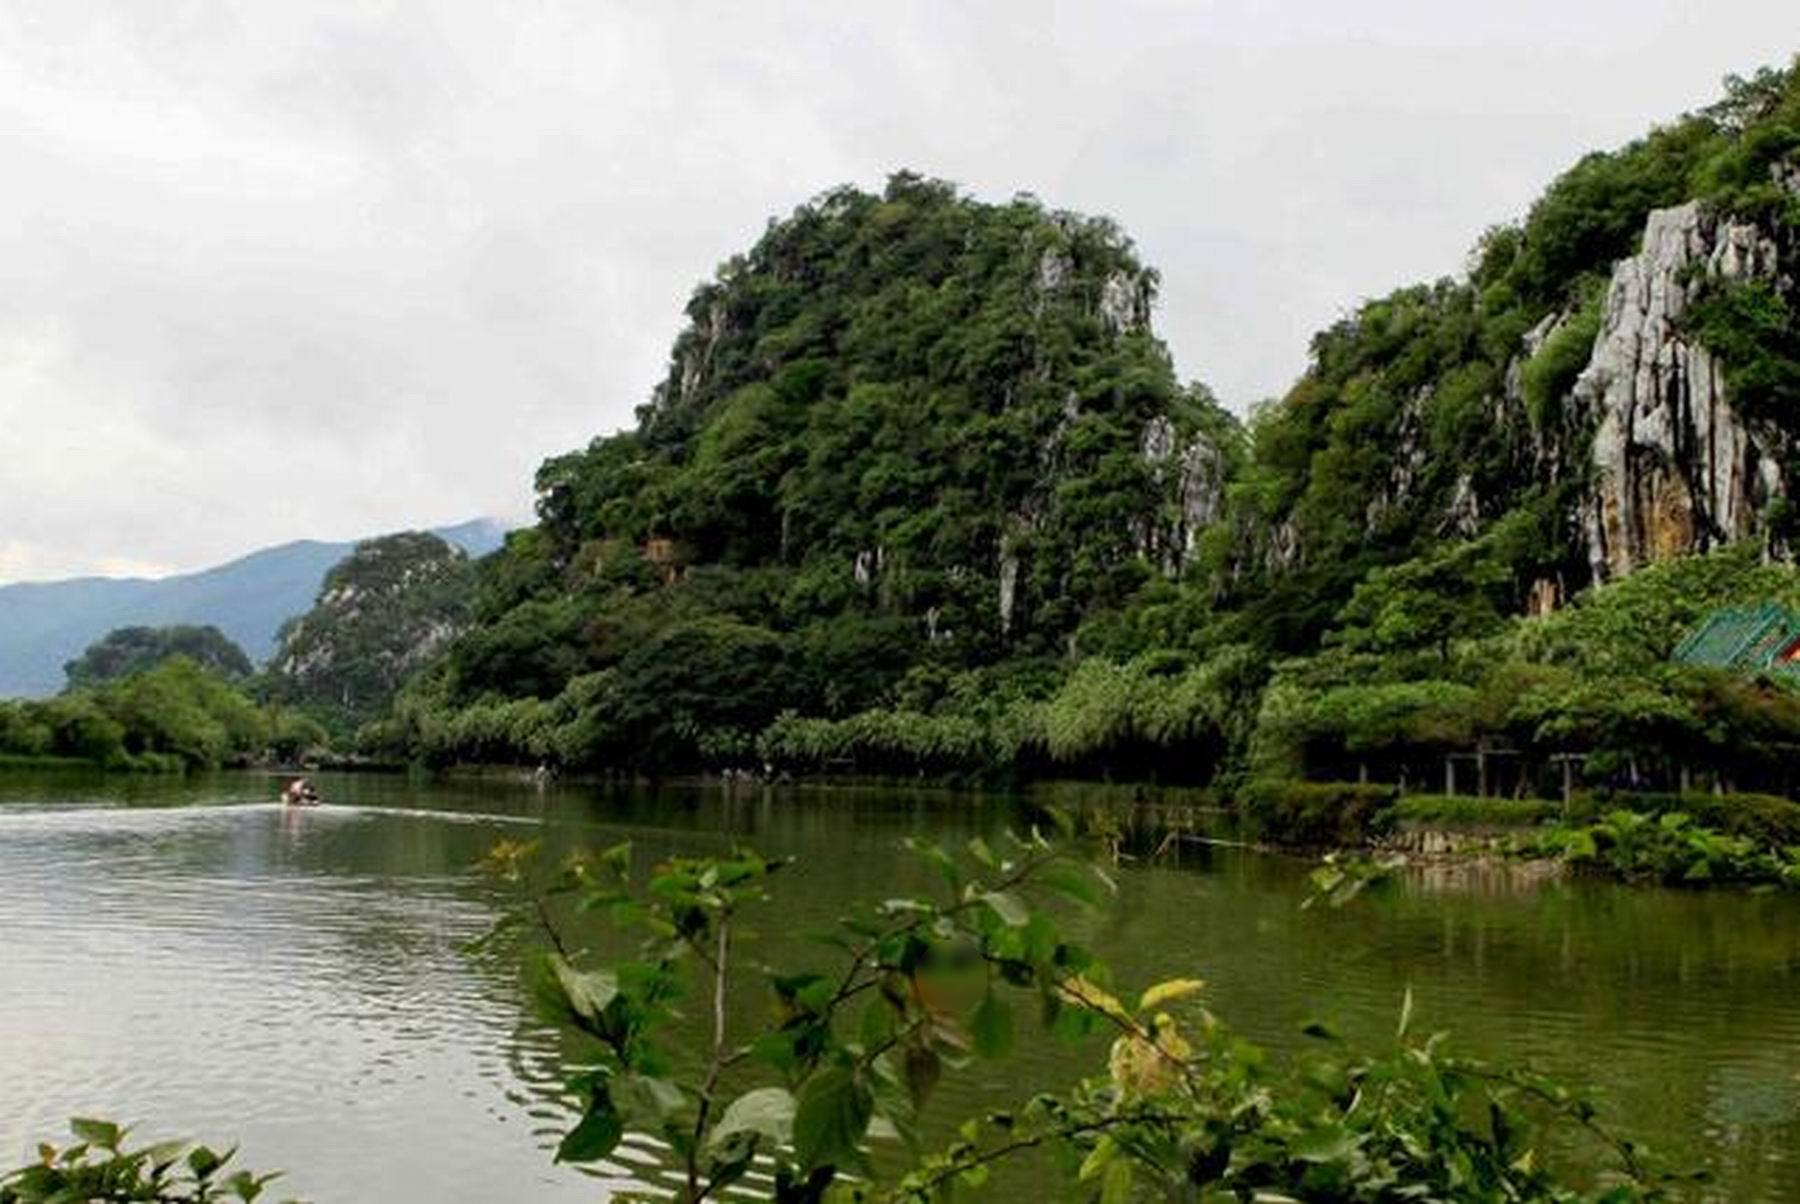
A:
(300, 793)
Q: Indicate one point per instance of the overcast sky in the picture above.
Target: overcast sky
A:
(324, 269)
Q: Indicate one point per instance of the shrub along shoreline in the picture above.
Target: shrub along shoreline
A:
(1652, 838)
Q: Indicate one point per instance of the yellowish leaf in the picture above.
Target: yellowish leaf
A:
(1167, 992)
(1097, 1158)
(1085, 994)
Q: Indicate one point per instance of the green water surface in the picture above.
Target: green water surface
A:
(188, 955)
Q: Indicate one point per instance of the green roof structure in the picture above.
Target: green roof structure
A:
(1746, 639)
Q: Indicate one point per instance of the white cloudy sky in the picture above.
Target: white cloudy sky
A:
(329, 267)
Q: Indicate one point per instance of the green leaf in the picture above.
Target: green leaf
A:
(596, 1136)
(644, 1098)
(935, 855)
(831, 1118)
(992, 1027)
(768, 1112)
(587, 991)
(1072, 881)
(1327, 1143)
(1098, 1158)
(102, 1133)
(876, 1024)
(203, 1162)
(1115, 1184)
(245, 1186)
(1007, 906)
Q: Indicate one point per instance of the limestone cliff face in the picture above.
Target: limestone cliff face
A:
(1190, 470)
(1674, 467)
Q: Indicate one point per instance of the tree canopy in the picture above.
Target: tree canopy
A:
(128, 650)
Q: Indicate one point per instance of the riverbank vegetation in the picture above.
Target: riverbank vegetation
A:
(1671, 848)
(170, 717)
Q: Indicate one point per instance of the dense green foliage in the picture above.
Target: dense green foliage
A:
(1769, 820)
(98, 1168)
(1461, 811)
(1315, 814)
(173, 716)
(1592, 679)
(1670, 848)
(127, 650)
(382, 612)
(904, 994)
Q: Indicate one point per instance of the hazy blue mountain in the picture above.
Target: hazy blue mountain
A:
(44, 624)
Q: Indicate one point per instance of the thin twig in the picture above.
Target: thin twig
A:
(715, 1064)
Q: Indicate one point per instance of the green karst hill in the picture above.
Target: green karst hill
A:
(382, 612)
(921, 492)
(907, 437)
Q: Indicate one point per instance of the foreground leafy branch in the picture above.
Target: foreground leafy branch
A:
(827, 1093)
(98, 1168)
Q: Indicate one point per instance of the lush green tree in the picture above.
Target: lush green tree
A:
(127, 650)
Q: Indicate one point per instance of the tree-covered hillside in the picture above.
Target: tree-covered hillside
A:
(127, 650)
(1464, 414)
(921, 492)
(907, 435)
(382, 613)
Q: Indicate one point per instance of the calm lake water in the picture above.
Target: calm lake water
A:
(190, 956)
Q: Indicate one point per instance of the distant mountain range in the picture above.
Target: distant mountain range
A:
(43, 624)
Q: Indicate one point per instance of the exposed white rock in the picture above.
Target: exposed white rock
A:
(697, 360)
(1676, 468)
(1009, 588)
(1465, 508)
(1191, 473)
(1125, 302)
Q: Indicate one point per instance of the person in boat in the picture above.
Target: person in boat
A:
(299, 793)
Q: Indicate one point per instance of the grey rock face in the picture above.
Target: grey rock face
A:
(1125, 302)
(1675, 468)
(1191, 472)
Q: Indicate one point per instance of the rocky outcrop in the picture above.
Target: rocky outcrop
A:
(1675, 468)
(1190, 470)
